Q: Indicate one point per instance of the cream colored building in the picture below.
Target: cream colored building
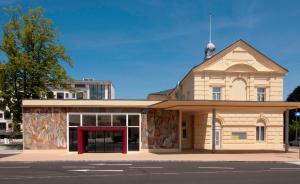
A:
(237, 73)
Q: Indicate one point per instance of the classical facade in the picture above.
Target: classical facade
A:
(233, 100)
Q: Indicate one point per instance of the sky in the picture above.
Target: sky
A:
(145, 46)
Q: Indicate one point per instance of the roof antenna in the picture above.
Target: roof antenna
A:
(210, 47)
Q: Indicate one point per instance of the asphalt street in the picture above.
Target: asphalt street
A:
(148, 172)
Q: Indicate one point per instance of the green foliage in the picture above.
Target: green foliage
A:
(34, 59)
(294, 128)
(295, 95)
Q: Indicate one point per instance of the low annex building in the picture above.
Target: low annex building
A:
(233, 100)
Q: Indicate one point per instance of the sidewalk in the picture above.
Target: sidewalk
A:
(293, 155)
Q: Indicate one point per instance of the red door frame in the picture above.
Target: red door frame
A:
(82, 130)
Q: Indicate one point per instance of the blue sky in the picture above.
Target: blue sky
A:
(149, 45)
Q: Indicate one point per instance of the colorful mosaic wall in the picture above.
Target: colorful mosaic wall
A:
(160, 129)
(45, 128)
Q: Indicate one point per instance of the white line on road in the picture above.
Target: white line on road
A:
(229, 168)
(89, 170)
(290, 168)
(74, 167)
(21, 167)
(110, 164)
(146, 167)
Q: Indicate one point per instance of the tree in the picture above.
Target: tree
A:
(295, 95)
(34, 59)
(294, 123)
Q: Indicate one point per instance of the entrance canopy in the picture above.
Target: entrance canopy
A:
(207, 105)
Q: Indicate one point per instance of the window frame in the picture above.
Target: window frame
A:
(261, 96)
(107, 113)
(216, 94)
(259, 133)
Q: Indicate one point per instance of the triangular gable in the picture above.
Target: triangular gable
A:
(240, 56)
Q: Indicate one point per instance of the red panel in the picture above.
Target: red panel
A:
(82, 130)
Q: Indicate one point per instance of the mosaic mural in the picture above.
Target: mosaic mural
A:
(45, 128)
(160, 129)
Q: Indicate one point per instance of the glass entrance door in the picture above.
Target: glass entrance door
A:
(103, 141)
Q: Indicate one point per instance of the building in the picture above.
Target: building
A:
(86, 89)
(5, 125)
(233, 100)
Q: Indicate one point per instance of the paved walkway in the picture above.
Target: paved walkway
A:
(293, 155)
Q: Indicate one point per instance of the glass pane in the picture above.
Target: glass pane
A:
(262, 133)
(118, 141)
(100, 141)
(90, 138)
(108, 141)
(88, 120)
(133, 120)
(104, 120)
(74, 120)
(119, 120)
(60, 95)
(72, 139)
(257, 133)
(133, 139)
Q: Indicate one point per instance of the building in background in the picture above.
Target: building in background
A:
(5, 125)
(87, 89)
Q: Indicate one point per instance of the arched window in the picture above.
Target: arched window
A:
(260, 131)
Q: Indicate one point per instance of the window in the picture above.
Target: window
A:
(97, 91)
(80, 95)
(60, 95)
(119, 120)
(1, 115)
(88, 120)
(260, 132)
(104, 120)
(216, 93)
(2, 126)
(73, 95)
(239, 135)
(74, 120)
(67, 95)
(261, 94)
(184, 130)
(79, 85)
(133, 120)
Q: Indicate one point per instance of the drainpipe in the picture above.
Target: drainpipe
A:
(213, 130)
(286, 137)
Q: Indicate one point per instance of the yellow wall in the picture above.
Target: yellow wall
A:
(239, 63)
(240, 121)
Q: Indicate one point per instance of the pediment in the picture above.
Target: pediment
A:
(240, 57)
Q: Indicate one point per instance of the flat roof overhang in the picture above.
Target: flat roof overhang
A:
(89, 103)
(208, 105)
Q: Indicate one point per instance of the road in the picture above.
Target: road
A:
(148, 172)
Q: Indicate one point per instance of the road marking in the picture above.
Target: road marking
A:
(146, 167)
(74, 167)
(229, 168)
(110, 164)
(296, 163)
(89, 170)
(21, 167)
(290, 168)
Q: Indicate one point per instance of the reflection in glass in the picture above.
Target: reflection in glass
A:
(104, 120)
(74, 120)
(88, 120)
(73, 139)
(133, 120)
(119, 120)
(133, 139)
